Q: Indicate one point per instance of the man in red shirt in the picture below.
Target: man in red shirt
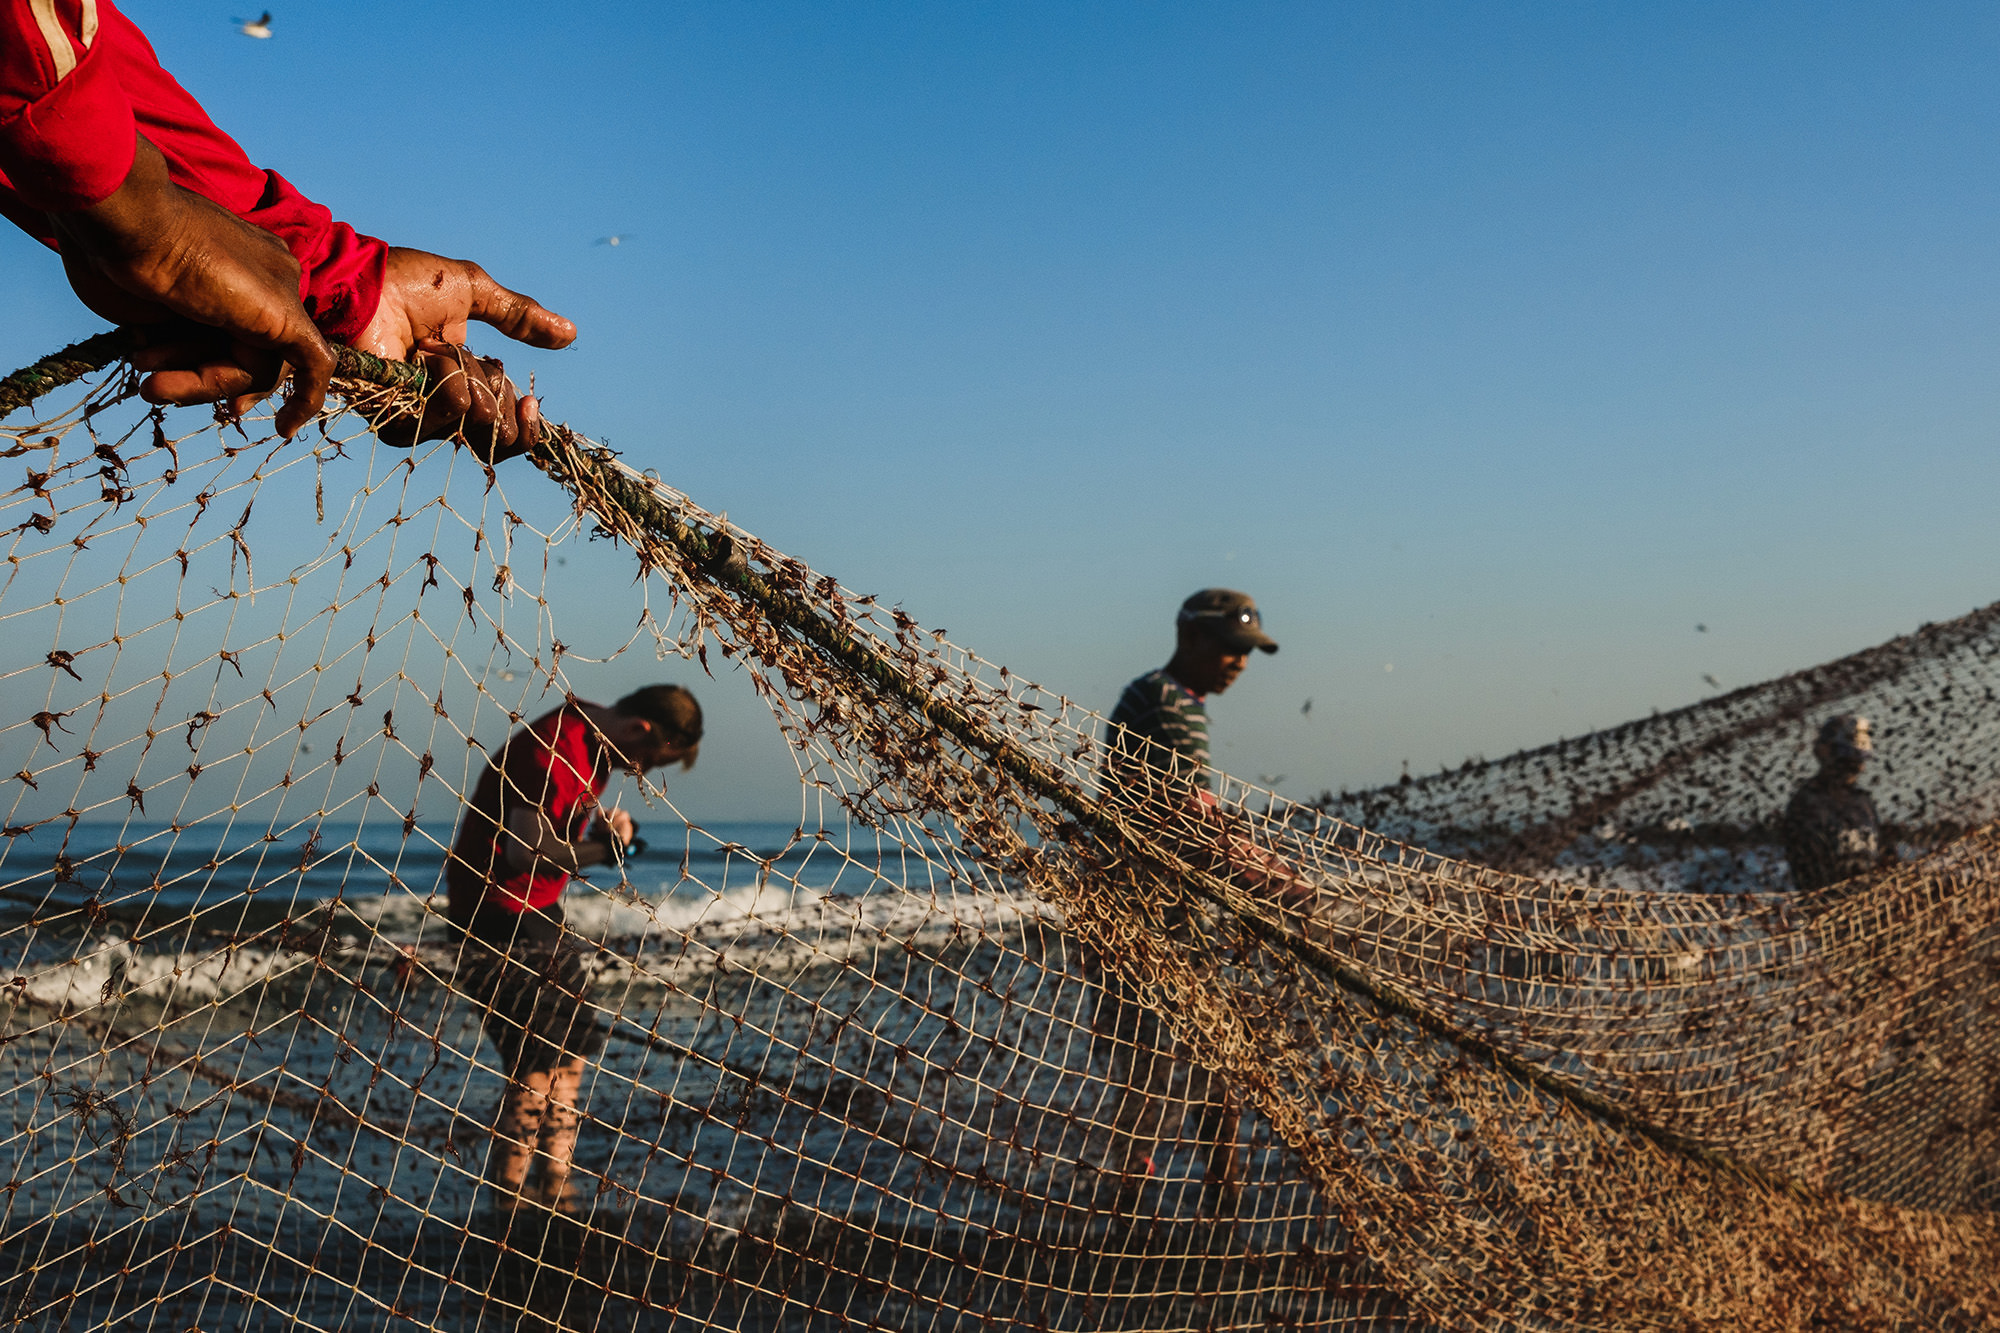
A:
(533, 822)
(162, 221)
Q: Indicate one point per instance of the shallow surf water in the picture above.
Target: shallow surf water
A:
(262, 1098)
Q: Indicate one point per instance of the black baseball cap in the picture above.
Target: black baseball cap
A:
(1230, 616)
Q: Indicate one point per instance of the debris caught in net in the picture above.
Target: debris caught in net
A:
(1566, 1053)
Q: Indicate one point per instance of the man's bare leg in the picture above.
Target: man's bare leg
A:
(556, 1143)
(518, 1128)
(1216, 1119)
(1140, 1071)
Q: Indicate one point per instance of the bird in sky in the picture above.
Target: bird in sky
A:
(1701, 629)
(1713, 683)
(1306, 711)
(617, 240)
(260, 28)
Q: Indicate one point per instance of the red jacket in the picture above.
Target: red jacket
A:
(556, 766)
(79, 82)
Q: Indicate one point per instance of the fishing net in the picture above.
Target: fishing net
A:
(998, 1033)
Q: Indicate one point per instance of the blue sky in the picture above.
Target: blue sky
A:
(1499, 345)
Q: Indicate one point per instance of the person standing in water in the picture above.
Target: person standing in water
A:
(533, 822)
(1157, 769)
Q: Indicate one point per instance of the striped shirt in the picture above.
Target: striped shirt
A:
(1158, 741)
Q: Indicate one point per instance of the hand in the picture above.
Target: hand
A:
(613, 837)
(620, 825)
(1257, 868)
(1265, 872)
(152, 251)
(427, 304)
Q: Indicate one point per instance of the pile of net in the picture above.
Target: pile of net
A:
(1545, 1043)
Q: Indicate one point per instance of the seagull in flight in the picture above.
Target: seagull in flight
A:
(260, 28)
(613, 241)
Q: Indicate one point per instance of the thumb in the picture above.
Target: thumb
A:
(521, 318)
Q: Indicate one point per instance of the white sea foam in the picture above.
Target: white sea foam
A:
(785, 928)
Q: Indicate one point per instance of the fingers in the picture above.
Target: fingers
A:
(312, 364)
(205, 384)
(520, 317)
(489, 423)
(207, 370)
(447, 399)
(470, 400)
(531, 423)
(219, 382)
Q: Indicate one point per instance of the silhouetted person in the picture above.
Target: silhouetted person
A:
(1831, 829)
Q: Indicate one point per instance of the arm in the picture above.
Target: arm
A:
(1256, 867)
(151, 249)
(1165, 787)
(106, 157)
(138, 245)
(534, 843)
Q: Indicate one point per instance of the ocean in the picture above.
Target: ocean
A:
(825, 1054)
(120, 863)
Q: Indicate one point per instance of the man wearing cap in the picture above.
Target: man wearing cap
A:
(1157, 768)
(1159, 730)
(1831, 830)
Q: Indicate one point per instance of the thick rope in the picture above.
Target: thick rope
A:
(94, 353)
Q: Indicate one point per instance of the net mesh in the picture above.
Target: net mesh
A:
(1546, 1043)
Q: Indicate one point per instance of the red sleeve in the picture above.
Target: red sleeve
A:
(66, 125)
(79, 82)
(548, 767)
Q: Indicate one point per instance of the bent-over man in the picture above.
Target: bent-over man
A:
(533, 822)
(1831, 829)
